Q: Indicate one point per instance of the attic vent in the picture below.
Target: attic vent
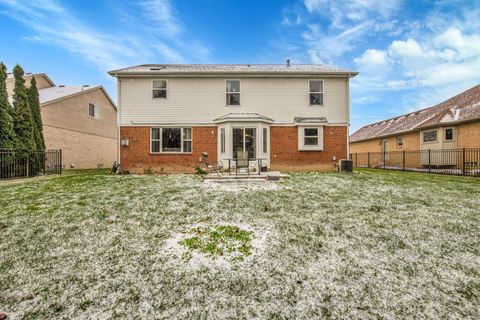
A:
(62, 86)
(157, 68)
(86, 85)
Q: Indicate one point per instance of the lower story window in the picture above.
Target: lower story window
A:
(310, 137)
(171, 140)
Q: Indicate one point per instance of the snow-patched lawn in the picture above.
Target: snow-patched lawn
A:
(368, 245)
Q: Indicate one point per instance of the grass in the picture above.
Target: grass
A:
(370, 245)
(219, 241)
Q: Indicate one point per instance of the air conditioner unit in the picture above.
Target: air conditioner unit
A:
(345, 165)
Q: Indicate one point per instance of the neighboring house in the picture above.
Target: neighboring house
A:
(294, 116)
(79, 120)
(452, 124)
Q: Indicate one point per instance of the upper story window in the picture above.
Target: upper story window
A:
(159, 89)
(430, 136)
(171, 140)
(316, 92)
(449, 134)
(233, 92)
(93, 111)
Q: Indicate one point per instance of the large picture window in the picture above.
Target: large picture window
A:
(316, 92)
(159, 89)
(171, 140)
(233, 92)
(430, 136)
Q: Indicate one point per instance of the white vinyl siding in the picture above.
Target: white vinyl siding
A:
(200, 100)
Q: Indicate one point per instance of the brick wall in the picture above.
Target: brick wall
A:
(137, 157)
(285, 156)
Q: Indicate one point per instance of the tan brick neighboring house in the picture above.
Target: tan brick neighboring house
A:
(452, 124)
(294, 117)
(79, 120)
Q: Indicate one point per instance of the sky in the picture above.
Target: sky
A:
(410, 54)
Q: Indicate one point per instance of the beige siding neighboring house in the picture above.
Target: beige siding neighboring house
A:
(452, 124)
(79, 120)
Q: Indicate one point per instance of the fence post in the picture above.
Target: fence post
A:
(61, 166)
(429, 162)
(28, 167)
(384, 157)
(403, 160)
(463, 161)
(368, 162)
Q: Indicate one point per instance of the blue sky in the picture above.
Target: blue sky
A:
(410, 54)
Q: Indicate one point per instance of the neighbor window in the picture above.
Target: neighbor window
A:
(233, 92)
(448, 134)
(265, 140)
(430, 136)
(159, 89)
(171, 140)
(222, 140)
(310, 137)
(316, 92)
(93, 111)
(399, 142)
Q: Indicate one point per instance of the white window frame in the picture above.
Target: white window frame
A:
(181, 140)
(265, 138)
(319, 136)
(96, 111)
(426, 131)
(453, 134)
(166, 88)
(223, 140)
(239, 93)
(322, 92)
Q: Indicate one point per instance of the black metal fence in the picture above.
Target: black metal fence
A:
(14, 164)
(464, 161)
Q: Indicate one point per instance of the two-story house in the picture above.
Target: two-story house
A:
(295, 117)
(79, 120)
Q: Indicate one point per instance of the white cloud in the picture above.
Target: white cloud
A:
(54, 24)
(341, 13)
(372, 58)
(409, 49)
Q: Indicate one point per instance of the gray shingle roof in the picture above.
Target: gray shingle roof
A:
(462, 107)
(147, 69)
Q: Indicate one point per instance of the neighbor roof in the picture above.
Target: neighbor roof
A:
(29, 74)
(52, 94)
(185, 69)
(460, 108)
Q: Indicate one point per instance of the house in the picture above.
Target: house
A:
(452, 124)
(79, 120)
(294, 117)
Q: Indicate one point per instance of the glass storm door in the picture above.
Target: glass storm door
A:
(244, 140)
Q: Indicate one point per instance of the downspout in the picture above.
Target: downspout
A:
(348, 116)
(118, 120)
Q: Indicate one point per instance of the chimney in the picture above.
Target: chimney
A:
(288, 62)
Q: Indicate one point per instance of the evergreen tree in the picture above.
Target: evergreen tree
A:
(7, 134)
(34, 103)
(22, 114)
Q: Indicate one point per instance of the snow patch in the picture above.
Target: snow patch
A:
(182, 257)
(242, 186)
